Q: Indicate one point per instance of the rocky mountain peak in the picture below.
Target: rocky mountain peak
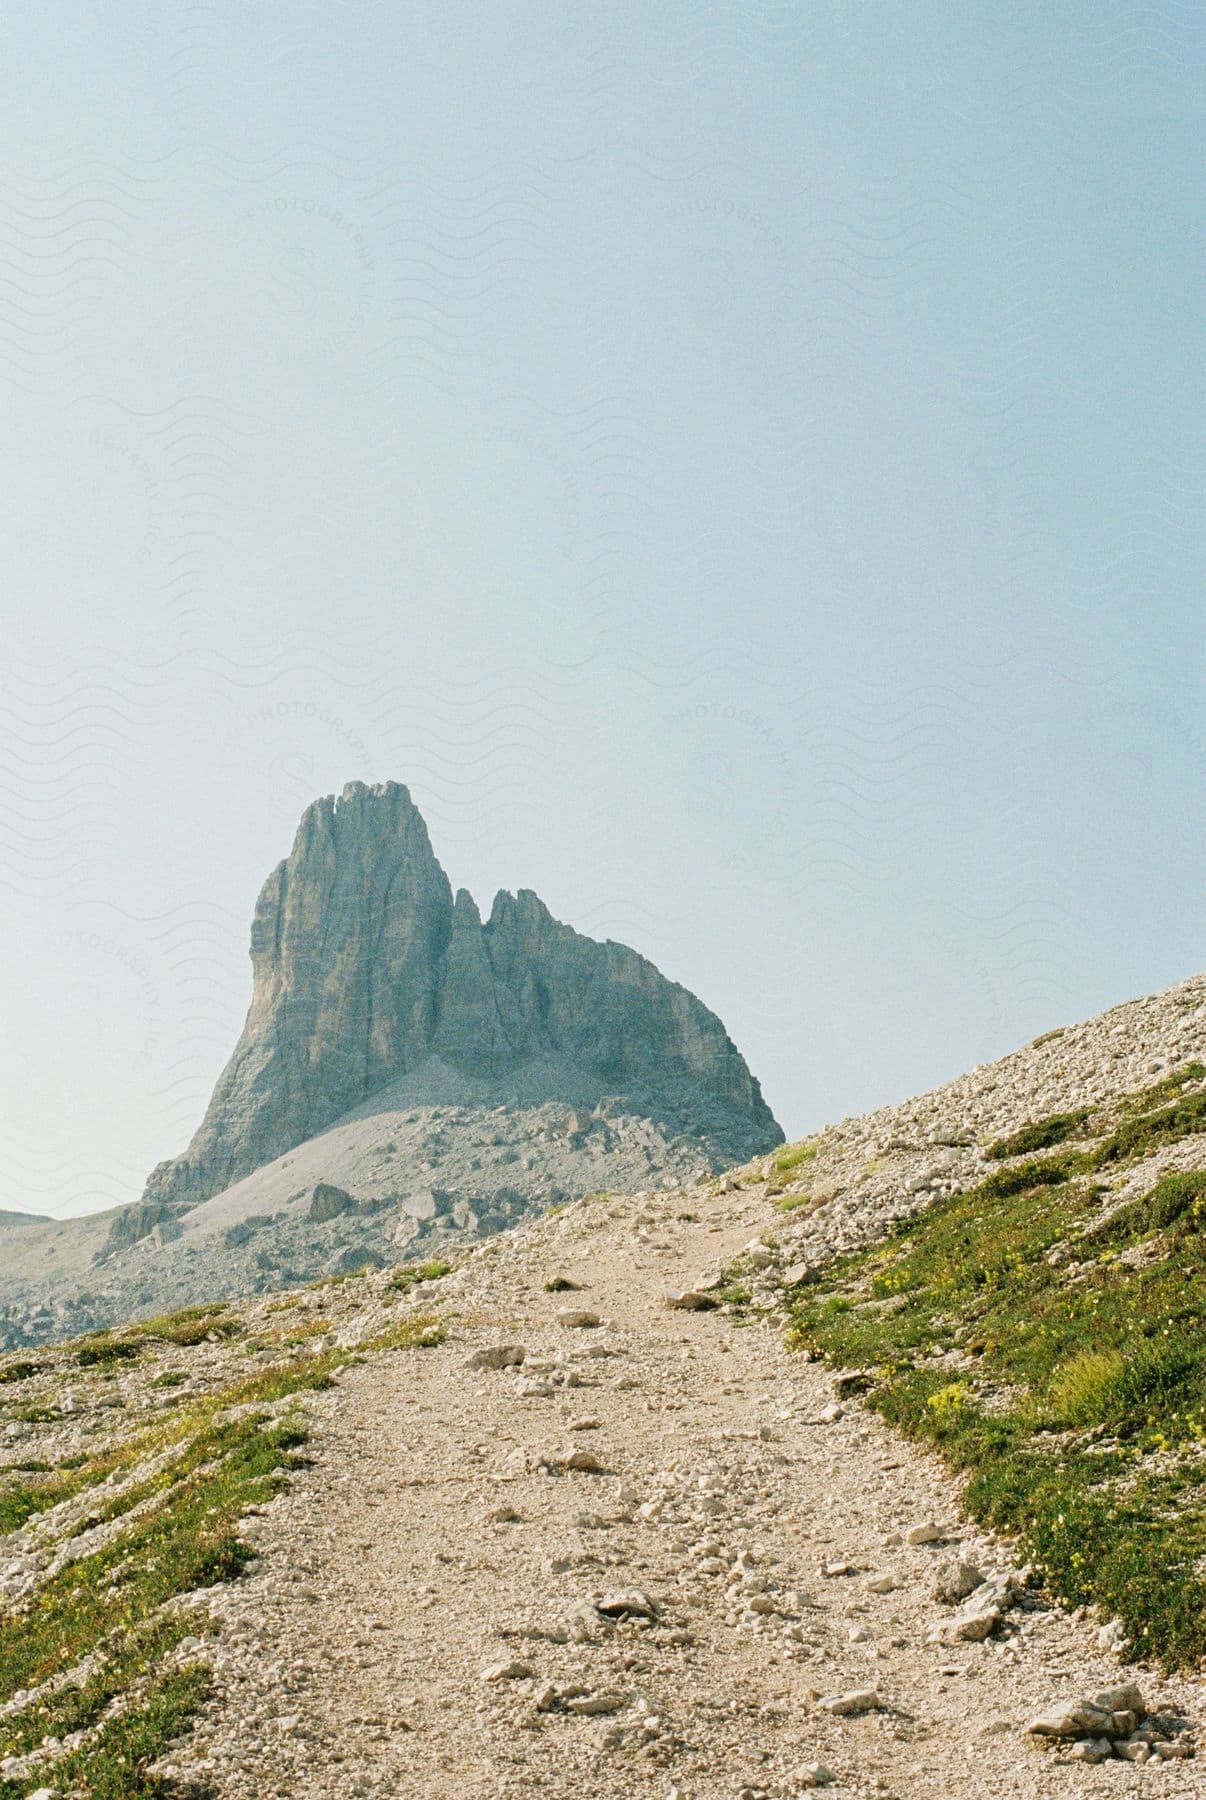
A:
(366, 970)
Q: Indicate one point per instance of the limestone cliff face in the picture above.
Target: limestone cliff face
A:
(365, 968)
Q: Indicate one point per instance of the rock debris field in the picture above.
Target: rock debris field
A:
(596, 1543)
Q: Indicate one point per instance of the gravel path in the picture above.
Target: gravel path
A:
(424, 1618)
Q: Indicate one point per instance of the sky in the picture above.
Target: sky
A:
(742, 465)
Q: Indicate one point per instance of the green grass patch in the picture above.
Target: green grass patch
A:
(174, 1529)
(22, 1500)
(1035, 1172)
(423, 1333)
(410, 1274)
(792, 1155)
(188, 1542)
(787, 1163)
(103, 1350)
(1169, 1087)
(1141, 1134)
(1077, 1396)
(201, 1328)
(1043, 1134)
(789, 1203)
(1176, 1201)
(21, 1370)
(114, 1764)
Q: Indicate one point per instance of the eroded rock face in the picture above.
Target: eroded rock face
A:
(365, 969)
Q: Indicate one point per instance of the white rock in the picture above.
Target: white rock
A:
(1127, 1697)
(1092, 1750)
(955, 1581)
(1075, 1719)
(595, 1705)
(688, 1299)
(850, 1705)
(976, 1622)
(496, 1356)
(585, 1461)
(626, 1603)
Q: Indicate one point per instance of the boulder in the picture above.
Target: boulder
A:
(986, 1606)
(1111, 1715)
(496, 1356)
(955, 1581)
(850, 1705)
(353, 1261)
(689, 1299)
(329, 1202)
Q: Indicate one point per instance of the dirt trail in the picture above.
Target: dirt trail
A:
(439, 1534)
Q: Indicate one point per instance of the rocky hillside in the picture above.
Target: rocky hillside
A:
(408, 1077)
(584, 1510)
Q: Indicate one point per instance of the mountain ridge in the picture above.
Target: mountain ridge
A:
(407, 1075)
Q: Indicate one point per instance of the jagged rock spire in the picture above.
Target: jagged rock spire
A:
(365, 967)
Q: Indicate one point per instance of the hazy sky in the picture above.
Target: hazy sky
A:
(741, 465)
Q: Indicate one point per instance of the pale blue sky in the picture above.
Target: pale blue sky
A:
(742, 465)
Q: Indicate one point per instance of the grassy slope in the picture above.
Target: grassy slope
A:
(1053, 1346)
(176, 1489)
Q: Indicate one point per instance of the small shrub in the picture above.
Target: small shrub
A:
(410, 1274)
(413, 1334)
(789, 1203)
(1088, 1389)
(20, 1371)
(946, 1404)
(794, 1154)
(98, 1352)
